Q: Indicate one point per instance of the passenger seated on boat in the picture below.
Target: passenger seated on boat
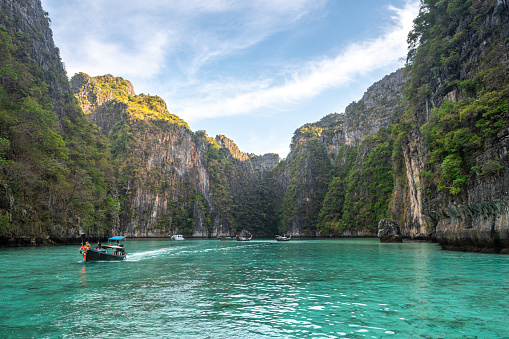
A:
(99, 247)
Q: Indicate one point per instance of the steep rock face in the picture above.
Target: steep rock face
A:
(379, 107)
(53, 170)
(329, 131)
(31, 23)
(232, 149)
(264, 163)
(407, 197)
(476, 219)
(464, 204)
(98, 103)
(159, 161)
(328, 203)
(170, 180)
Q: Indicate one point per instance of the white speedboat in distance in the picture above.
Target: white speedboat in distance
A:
(177, 237)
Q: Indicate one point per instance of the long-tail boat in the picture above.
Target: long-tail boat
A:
(115, 250)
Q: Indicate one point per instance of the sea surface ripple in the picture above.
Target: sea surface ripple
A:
(340, 288)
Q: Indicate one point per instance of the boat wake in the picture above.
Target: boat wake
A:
(150, 254)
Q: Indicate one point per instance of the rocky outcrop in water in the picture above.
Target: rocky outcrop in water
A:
(389, 232)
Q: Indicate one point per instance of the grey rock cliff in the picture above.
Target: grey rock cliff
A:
(379, 107)
(264, 163)
(475, 219)
(172, 180)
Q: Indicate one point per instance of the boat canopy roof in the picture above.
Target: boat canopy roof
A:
(118, 237)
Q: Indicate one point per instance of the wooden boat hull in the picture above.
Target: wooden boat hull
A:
(244, 238)
(283, 238)
(93, 255)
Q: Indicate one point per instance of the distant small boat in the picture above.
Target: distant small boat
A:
(114, 251)
(227, 238)
(177, 237)
(283, 238)
(244, 238)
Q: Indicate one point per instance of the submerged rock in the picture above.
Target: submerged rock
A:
(388, 231)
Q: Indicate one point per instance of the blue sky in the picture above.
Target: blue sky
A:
(254, 71)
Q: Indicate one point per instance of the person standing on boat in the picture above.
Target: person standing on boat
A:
(83, 250)
(99, 247)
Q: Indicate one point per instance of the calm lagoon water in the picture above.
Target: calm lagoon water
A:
(341, 288)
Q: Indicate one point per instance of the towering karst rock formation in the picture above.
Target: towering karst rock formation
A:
(338, 177)
(439, 129)
(170, 179)
(54, 173)
(455, 150)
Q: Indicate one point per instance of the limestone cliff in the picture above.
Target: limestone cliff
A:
(54, 173)
(31, 25)
(456, 153)
(169, 179)
(264, 163)
(426, 146)
(379, 107)
(328, 182)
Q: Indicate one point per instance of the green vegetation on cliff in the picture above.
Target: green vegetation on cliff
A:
(54, 169)
(331, 214)
(458, 130)
(239, 200)
(154, 199)
(359, 195)
(309, 175)
(218, 167)
(454, 101)
(369, 184)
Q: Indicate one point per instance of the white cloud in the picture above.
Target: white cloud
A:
(100, 58)
(171, 48)
(127, 37)
(309, 80)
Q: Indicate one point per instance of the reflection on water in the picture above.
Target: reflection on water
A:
(303, 288)
(84, 275)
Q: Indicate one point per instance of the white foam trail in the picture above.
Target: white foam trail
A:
(150, 254)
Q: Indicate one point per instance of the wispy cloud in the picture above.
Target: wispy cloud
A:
(307, 80)
(127, 37)
(203, 57)
(104, 58)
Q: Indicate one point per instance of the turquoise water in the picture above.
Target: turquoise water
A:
(344, 288)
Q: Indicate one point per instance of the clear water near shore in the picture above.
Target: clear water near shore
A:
(341, 288)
